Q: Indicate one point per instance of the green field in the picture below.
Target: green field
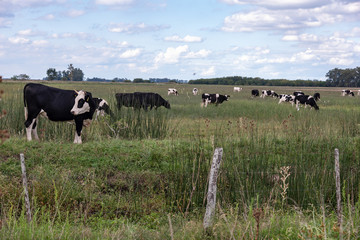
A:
(139, 171)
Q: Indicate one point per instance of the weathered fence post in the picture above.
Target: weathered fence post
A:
(24, 178)
(338, 191)
(211, 196)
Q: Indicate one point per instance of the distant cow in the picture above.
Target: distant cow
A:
(101, 107)
(139, 100)
(195, 91)
(255, 93)
(57, 105)
(271, 93)
(347, 92)
(237, 89)
(306, 100)
(286, 98)
(316, 96)
(213, 98)
(296, 93)
(172, 91)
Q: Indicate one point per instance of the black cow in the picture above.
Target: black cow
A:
(102, 107)
(139, 100)
(306, 100)
(57, 105)
(255, 93)
(213, 98)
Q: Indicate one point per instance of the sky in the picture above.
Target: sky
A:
(180, 39)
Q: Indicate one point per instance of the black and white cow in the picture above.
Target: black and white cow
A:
(213, 98)
(57, 105)
(139, 100)
(286, 98)
(255, 93)
(237, 89)
(195, 91)
(172, 91)
(102, 107)
(271, 93)
(296, 93)
(305, 100)
(317, 96)
(347, 92)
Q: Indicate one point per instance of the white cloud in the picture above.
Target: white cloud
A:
(114, 2)
(203, 53)
(19, 40)
(40, 43)
(280, 3)
(290, 19)
(187, 38)
(208, 72)
(135, 28)
(171, 55)
(131, 53)
(75, 13)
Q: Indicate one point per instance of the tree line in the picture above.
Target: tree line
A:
(349, 77)
(238, 80)
(71, 74)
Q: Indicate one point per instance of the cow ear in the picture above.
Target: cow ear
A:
(87, 97)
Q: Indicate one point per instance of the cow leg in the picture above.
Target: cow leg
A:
(30, 123)
(29, 127)
(34, 130)
(79, 125)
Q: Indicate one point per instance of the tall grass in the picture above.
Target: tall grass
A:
(142, 164)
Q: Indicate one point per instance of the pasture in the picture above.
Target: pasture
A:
(138, 170)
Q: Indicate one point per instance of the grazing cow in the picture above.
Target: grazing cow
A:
(306, 100)
(271, 93)
(195, 91)
(347, 92)
(172, 91)
(286, 98)
(213, 98)
(57, 105)
(139, 100)
(296, 93)
(101, 107)
(255, 93)
(316, 96)
(237, 89)
(358, 92)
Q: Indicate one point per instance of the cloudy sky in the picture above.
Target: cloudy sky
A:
(185, 39)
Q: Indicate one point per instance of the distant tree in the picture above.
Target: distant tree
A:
(21, 77)
(138, 80)
(71, 71)
(77, 74)
(51, 74)
(349, 77)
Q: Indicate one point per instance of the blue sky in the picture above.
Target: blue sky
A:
(187, 39)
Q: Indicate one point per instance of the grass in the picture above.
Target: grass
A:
(136, 169)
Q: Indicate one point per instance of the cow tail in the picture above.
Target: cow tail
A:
(25, 105)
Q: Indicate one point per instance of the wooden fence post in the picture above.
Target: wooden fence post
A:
(211, 195)
(338, 191)
(24, 178)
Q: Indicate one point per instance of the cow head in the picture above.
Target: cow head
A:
(81, 104)
(167, 104)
